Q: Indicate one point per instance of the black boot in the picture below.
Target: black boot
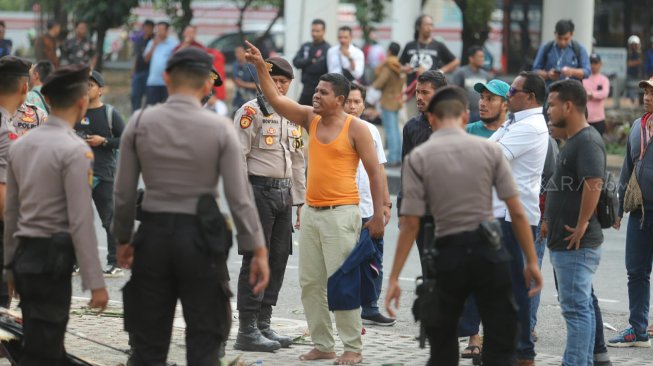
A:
(264, 326)
(250, 338)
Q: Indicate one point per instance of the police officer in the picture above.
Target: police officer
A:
(27, 117)
(50, 223)
(173, 255)
(13, 91)
(272, 147)
(470, 258)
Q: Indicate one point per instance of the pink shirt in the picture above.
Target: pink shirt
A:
(599, 86)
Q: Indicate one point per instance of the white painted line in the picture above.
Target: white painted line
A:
(608, 300)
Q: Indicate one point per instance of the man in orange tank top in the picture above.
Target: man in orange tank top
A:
(330, 222)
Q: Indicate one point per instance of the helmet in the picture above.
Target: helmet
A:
(633, 40)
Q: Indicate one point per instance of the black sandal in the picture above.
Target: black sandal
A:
(474, 352)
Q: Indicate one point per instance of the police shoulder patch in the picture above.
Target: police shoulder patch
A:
(88, 155)
(245, 122)
(250, 111)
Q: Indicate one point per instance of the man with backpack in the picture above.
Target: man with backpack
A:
(562, 58)
(101, 128)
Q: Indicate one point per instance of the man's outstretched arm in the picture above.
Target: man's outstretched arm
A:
(283, 105)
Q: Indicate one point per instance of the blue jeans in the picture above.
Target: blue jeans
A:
(639, 258)
(574, 270)
(525, 345)
(470, 320)
(393, 138)
(540, 247)
(139, 80)
(156, 94)
(372, 308)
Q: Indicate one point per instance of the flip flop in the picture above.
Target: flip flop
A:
(472, 352)
(650, 331)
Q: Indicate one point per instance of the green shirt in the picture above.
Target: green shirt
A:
(34, 98)
(478, 128)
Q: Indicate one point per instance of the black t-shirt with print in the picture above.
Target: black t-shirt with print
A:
(96, 123)
(431, 56)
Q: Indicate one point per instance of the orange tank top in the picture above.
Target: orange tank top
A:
(332, 171)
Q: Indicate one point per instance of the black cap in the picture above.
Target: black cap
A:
(11, 65)
(65, 78)
(279, 66)
(191, 57)
(595, 58)
(217, 79)
(97, 77)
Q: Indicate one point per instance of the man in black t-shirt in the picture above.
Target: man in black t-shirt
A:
(574, 232)
(311, 59)
(423, 54)
(101, 128)
(140, 68)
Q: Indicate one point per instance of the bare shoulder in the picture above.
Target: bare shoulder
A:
(359, 128)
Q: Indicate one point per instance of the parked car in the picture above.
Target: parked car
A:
(227, 43)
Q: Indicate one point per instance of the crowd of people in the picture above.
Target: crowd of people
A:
(513, 191)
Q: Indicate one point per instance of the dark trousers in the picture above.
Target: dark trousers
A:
(372, 308)
(156, 94)
(171, 262)
(469, 269)
(45, 304)
(4, 291)
(103, 199)
(275, 212)
(139, 83)
(600, 126)
(525, 345)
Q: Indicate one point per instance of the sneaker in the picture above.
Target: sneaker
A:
(75, 270)
(114, 271)
(628, 338)
(378, 319)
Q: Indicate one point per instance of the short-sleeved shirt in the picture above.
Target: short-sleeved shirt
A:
(582, 157)
(557, 58)
(466, 78)
(241, 72)
(431, 56)
(159, 60)
(454, 173)
(363, 180)
(35, 97)
(139, 47)
(478, 129)
(79, 51)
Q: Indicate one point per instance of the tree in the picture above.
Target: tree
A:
(180, 13)
(102, 15)
(476, 18)
(368, 11)
(243, 5)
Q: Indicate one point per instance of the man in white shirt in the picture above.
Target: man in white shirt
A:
(346, 59)
(524, 140)
(355, 105)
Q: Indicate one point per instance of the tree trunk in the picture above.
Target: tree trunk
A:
(280, 12)
(241, 15)
(99, 46)
(186, 17)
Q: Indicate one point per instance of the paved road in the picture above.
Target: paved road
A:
(610, 285)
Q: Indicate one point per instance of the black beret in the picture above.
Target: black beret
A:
(98, 78)
(217, 79)
(279, 66)
(11, 65)
(64, 78)
(191, 57)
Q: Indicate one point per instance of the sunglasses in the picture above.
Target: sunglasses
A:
(512, 91)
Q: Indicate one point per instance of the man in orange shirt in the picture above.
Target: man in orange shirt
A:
(331, 222)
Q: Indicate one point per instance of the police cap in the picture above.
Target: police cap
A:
(16, 66)
(279, 66)
(65, 78)
(191, 57)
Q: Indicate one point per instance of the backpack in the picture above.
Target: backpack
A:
(574, 45)
(606, 209)
(109, 111)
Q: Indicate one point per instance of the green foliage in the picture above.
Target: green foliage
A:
(616, 148)
(179, 11)
(367, 12)
(478, 13)
(16, 5)
(102, 14)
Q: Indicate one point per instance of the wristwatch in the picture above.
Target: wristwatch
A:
(105, 142)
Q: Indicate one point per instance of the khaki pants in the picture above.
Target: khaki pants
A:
(327, 237)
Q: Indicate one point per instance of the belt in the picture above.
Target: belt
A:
(270, 182)
(464, 238)
(321, 208)
(168, 218)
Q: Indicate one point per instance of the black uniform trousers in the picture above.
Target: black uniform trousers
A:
(4, 291)
(275, 212)
(103, 199)
(473, 268)
(45, 304)
(171, 262)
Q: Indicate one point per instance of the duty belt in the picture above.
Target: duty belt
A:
(270, 182)
(464, 238)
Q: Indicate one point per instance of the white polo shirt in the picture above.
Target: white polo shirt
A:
(363, 180)
(524, 142)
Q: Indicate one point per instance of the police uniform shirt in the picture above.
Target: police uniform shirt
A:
(26, 118)
(5, 122)
(49, 191)
(272, 146)
(453, 173)
(182, 150)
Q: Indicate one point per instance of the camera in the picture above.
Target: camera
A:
(83, 135)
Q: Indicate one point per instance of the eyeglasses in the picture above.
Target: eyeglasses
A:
(512, 91)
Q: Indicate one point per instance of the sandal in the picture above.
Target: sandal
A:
(650, 331)
(474, 352)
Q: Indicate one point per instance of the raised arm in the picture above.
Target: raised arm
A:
(285, 106)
